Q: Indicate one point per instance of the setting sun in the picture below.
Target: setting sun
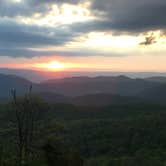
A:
(54, 66)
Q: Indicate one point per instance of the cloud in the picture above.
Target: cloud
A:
(12, 8)
(21, 40)
(149, 40)
(163, 34)
(14, 34)
(29, 53)
(54, 1)
(117, 16)
(128, 16)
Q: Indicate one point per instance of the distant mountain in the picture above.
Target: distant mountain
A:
(32, 75)
(87, 90)
(76, 86)
(156, 79)
(8, 82)
(39, 76)
(155, 94)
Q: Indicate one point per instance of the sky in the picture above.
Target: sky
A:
(95, 35)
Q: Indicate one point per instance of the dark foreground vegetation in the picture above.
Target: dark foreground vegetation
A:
(34, 133)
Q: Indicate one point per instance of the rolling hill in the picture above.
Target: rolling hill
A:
(157, 79)
(76, 86)
(155, 94)
(8, 82)
(88, 90)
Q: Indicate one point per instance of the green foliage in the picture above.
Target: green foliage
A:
(68, 135)
(57, 154)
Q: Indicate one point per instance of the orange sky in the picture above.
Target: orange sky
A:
(94, 63)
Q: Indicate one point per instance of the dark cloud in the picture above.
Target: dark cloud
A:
(131, 15)
(163, 34)
(117, 16)
(14, 34)
(149, 40)
(20, 40)
(10, 8)
(125, 16)
(29, 53)
(20, 37)
(54, 1)
(23, 8)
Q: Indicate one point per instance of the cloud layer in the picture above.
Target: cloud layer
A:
(12, 8)
(131, 15)
(117, 16)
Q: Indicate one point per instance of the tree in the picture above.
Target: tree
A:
(57, 154)
(26, 109)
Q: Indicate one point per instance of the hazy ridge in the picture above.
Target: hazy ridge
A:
(101, 90)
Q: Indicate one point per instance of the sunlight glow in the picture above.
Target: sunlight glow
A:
(16, 1)
(53, 65)
(59, 15)
(107, 40)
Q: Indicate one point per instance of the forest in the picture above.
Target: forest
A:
(36, 133)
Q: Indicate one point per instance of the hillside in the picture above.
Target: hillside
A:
(157, 79)
(102, 99)
(7, 82)
(40, 76)
(88, 90)
(155, 94)
(76, 86)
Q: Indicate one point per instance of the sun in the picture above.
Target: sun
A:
(55, 65)
(52, 66)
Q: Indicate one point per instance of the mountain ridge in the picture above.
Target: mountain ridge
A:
(86, 90)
